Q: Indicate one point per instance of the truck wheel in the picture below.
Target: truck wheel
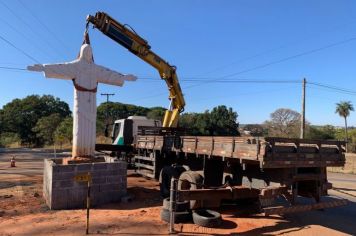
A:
(165, 176)
(207, 218)
(179, 217)
(180, 206)
(191, 180)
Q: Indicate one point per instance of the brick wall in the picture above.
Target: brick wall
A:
(61, 191)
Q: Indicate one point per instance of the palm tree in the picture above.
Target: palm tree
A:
(343, 108)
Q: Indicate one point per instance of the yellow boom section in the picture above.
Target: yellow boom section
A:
(139, 46)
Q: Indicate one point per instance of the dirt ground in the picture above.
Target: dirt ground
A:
(350, 165)
(23, 211)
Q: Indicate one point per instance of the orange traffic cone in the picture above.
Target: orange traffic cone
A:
(13, 162)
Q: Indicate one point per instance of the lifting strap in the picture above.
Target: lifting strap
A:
(82, 89)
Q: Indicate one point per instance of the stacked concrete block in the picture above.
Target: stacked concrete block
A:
(61, 191)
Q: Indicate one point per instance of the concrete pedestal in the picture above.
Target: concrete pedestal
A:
(61, 191)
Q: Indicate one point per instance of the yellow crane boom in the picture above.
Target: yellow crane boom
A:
(134, 43)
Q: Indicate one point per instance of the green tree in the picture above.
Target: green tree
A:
(193, 123)
(108, 112)
(344, 108)
(6, 139)
(223, 121)
(21, 115)
(156, 113)
(325, 132)
(220, 121)
(255, 129)
(64, 131)
(46, 126)
(284, 122)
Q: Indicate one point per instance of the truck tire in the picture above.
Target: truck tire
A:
(180, 206)
(179, 217)
(191, 180)
(165, 176)
(207, 218)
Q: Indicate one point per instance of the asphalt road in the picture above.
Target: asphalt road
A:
(341, 219)
(29, 161)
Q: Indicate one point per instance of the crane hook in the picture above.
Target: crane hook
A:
(86, 39)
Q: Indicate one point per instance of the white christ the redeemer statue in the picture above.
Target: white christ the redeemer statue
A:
(85, 76)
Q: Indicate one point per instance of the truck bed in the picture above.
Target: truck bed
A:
(267, 152)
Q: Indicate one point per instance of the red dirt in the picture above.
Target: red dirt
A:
(25, 214)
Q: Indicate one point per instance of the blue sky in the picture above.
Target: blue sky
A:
(204, 39)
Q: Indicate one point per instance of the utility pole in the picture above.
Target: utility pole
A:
(106, 132)
(107, 95)
(302, 125)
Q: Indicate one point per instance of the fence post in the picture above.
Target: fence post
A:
(172, 205)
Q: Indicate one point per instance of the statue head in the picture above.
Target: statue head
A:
(86, 53)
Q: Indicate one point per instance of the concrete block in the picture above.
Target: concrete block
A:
(113, 179)
(66, 183)
(113, 166)
(99, 173)
(64, 168)
(62, 192)
(84, 167)
(115, 196)
(99, 180)
(123, 185)
(80, 185)
(123, 166)
(94, 188)
(56, 184)
(77, 195)
(64, 176)
(100, 166)
(106, 187)
(115, 187)
(114, 172)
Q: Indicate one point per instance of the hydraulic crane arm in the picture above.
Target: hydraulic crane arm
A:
(139, 46)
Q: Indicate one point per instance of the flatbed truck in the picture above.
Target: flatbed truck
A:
(211, 169)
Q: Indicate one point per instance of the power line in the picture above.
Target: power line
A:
(326, 86)
(237, 81)
(28, 26)
(19, 49)
(282, 60)
(190, 79)
(320, 85)
(246, 93)
(24, 53)
(43, 24)
(274, 49)
(332, 90)
(12, 68)
(333, 87)
(34, 43)
(195, 80)
(267, 64)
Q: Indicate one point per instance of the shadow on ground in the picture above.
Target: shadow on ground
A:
(332, 218)
(8, 184)
(152, 198)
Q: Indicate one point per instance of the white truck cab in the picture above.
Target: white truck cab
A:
(125, 130)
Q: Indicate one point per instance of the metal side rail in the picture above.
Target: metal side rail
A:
(280, 210)
(145, 166)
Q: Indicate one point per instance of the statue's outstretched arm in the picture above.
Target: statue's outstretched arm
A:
(57, 71)
(108, 76)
